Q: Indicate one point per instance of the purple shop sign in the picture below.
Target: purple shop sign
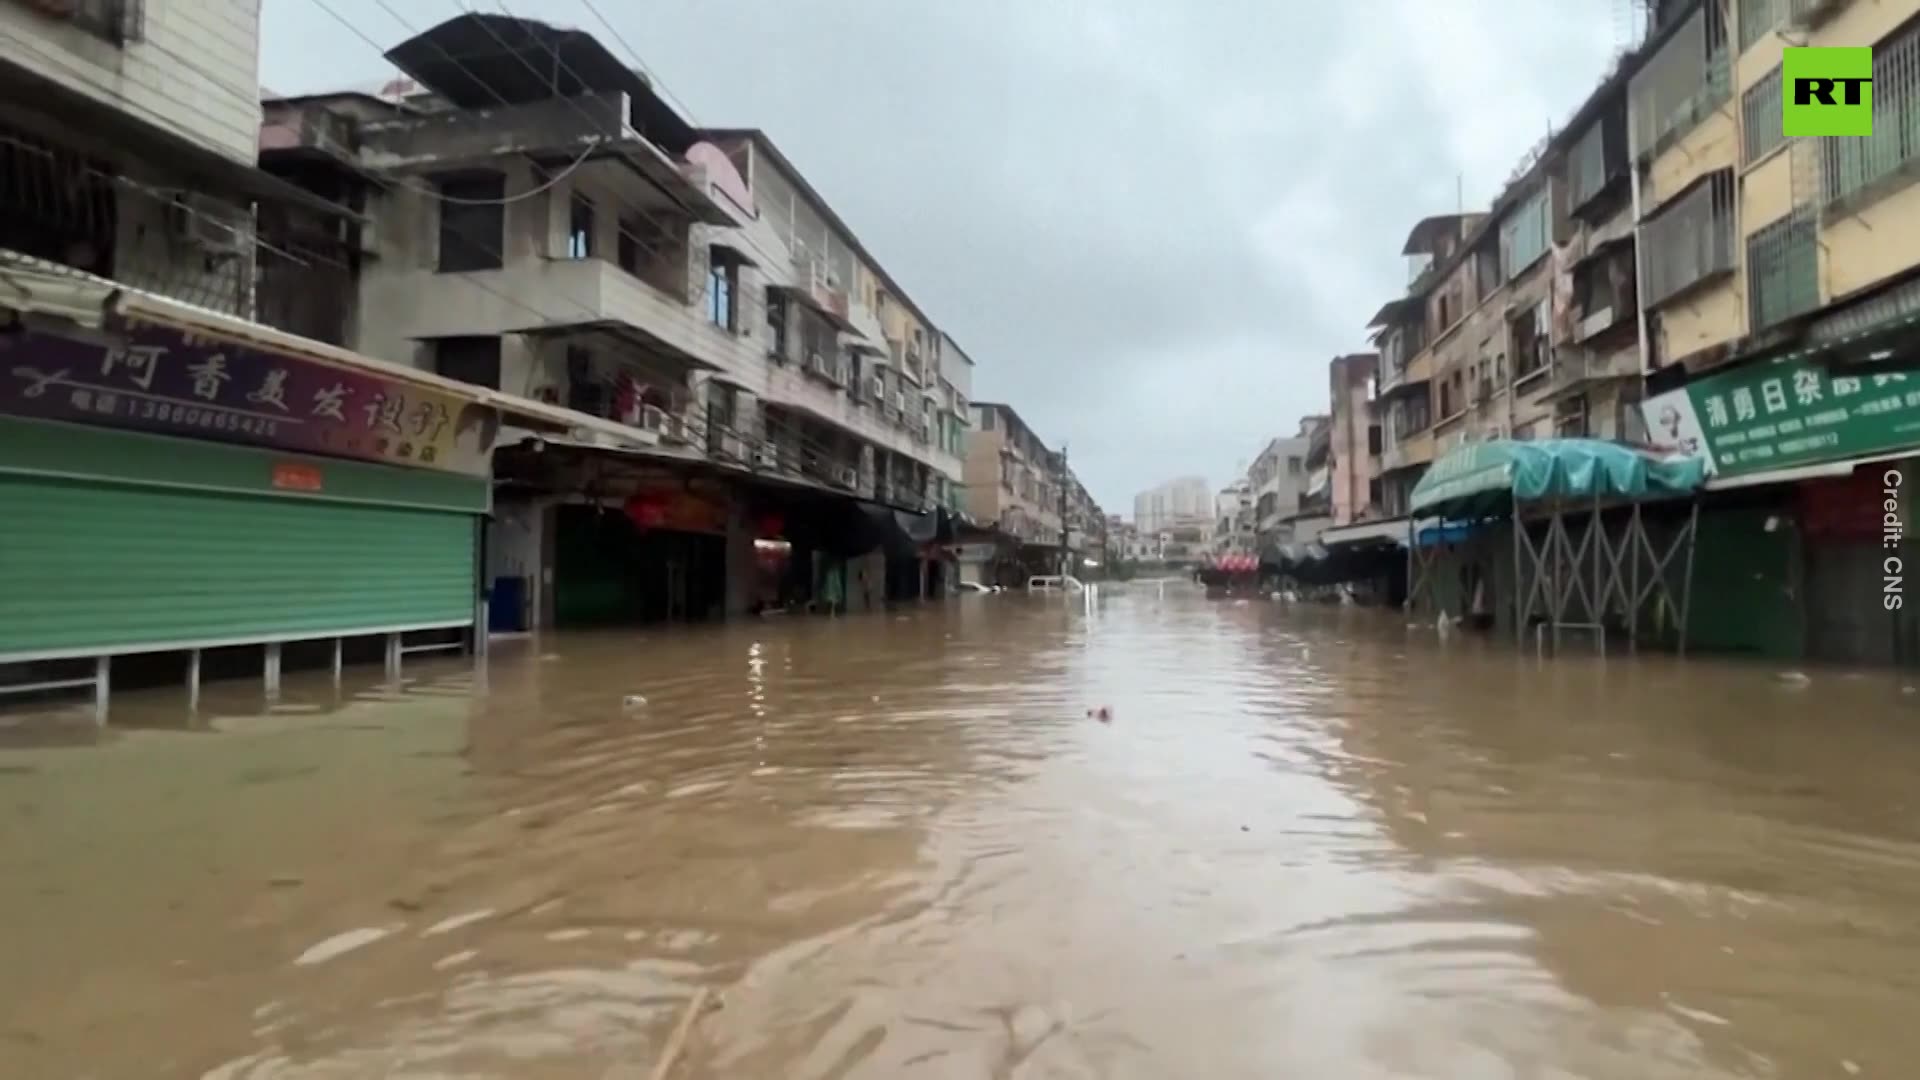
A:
(172, 382)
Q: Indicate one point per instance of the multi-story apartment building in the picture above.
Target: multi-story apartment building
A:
(1354, 438)
(953, 418)
(1185, 503)
(1012, 479)
(1233, 514)
(1278, 477)
(586, 246)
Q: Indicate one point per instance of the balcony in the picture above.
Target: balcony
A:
(1417, 373)
(1410, 450)
(557, 297)
(816, 286)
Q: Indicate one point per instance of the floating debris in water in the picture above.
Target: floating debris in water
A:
(454, 960)
(340, 944)
(449, 925)
(634, 701)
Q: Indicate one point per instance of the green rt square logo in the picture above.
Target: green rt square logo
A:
(1829, 91)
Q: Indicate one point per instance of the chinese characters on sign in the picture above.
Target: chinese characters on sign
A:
(171, 382)
(1781, 415)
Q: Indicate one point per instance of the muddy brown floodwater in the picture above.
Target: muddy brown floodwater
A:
(1311, 843)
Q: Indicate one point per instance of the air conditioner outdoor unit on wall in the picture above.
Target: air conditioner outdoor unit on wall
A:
(877, 388)
(766, 457)
(849, 476)
(211, 226)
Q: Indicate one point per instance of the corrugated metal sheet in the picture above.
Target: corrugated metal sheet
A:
(88, 566)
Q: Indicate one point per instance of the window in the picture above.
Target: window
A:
(1523, 236)
(986, 419)
(117, 21)
(777, 324)
(1373, 439)
(1587, 165)
(1783, 278)
(722, 278)
(586, 392)
(474, 360)
(1530, 347)
(1447, 308)
(1682, 83)
(1760, 117)
(580, 227)
(1489, 271)
(472, 222)
(1690, 239)
(1293, 466)
(1754, 18)
(1851, 164)
(627, 247)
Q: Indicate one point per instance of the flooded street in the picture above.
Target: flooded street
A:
(1311, 842)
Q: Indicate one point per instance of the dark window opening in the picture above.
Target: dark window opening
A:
(474, 360)
(586, 391)
(56, 205)
(472, 222)
(627, 248)
(580, 228)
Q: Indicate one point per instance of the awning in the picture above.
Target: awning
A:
(1394, 312)
(726, 248)
(622, 332)
(479, 61)
(1393, 530)
(1489, 474)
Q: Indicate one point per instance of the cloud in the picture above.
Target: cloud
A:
(1151, 224)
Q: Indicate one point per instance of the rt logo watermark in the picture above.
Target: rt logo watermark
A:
(1829, 91)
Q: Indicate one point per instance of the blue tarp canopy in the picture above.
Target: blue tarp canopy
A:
(1482, 477)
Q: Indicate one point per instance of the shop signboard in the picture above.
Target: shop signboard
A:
(1785, 413)
(168, 381)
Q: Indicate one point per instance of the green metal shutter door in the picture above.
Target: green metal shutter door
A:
(104, 566)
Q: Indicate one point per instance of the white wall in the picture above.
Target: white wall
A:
(194, 73)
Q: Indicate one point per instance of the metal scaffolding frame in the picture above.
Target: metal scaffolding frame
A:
(1582, 565)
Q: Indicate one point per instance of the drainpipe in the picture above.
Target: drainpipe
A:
(1639, 252)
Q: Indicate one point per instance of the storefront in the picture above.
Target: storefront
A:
(173, 487)
(1805, 450)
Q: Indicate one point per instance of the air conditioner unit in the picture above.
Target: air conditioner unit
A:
(766, 457)
(899, 402)
(211, 226)
(653, 418)
(877, 388)
(733, 448)
(849, 476)
(675, 430)
(816, 363)
(1807, 14)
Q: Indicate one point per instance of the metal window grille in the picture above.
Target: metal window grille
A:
(1754, 18)
(1760, 124)
(1848, 165)
(1783, 275)
(1587, 165)
(1691, 238)
(1685, 81)
(1523, 239)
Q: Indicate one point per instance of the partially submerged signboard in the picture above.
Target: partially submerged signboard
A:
(1785, 413)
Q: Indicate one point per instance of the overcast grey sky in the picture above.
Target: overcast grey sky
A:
(1152, 223)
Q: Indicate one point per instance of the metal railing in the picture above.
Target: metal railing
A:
(1760, 118)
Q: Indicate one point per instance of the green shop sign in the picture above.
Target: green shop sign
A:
(1785, 413)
